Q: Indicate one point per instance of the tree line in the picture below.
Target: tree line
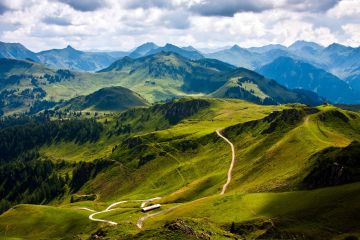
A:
(18, 139)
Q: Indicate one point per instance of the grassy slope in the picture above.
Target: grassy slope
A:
(314, 213)
(265, 162)
(36, 222)
(111, 99)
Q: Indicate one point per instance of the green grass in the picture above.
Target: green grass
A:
(190, 167)
(44, 222)
(315, 213)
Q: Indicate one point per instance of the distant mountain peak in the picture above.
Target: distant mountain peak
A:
(169, 45)
(149, 44)
(301, 44)
(190, 48)
(70, 48)
(336, 46)
(143, 49)
(236, 47)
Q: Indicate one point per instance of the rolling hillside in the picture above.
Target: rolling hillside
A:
(172, 151)
(168, 72)
(114, 99)
(248, 85)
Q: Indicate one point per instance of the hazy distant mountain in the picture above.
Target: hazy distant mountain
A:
(267, 48)
(250, 58)
(16, 51)
(67, 58)
(191, 48)
(305, 46)
(212, 50)
(298, 74)
(142, 50)
(340, 60)
(70, 58)
(237, 56)
(336, 58)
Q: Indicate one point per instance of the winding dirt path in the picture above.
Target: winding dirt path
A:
(232, 161)
(141, 220)
(110, 208)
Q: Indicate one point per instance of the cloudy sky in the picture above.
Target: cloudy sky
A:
(124, 24)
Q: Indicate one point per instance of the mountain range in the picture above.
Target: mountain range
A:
(298, 74)
(341, 61)
(66, 58)
(156, 77)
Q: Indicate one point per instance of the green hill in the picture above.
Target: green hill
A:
(171, 72)
(251, 86)
(106, 99)
(171, 150)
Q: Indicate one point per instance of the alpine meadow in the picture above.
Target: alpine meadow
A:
(180, 119)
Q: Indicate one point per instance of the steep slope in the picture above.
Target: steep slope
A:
(70, 58)
(106, 99)
(251, 86)
(16, 51)
(298, 74)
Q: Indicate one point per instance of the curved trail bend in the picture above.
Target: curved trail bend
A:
(110, 208)
(232, 161)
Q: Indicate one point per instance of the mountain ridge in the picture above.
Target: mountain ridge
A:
(299, 74)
